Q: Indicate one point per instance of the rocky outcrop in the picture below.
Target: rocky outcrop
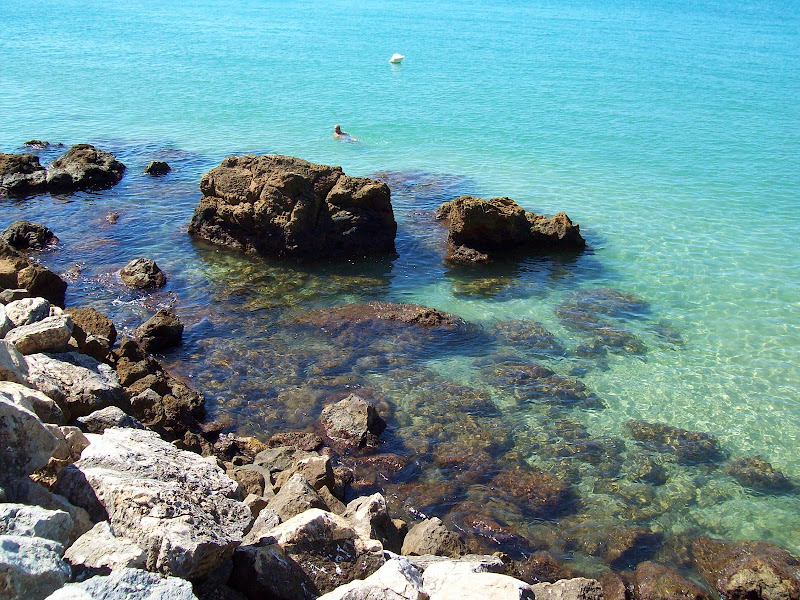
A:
(161, 331)
(19, 272)
(21, 175)
(287, 207)
(369, 517)
(175, 505)
(75, 381)
(100, 549)
(438, 573)
(25, 235)
(432, 537)
(295, 497)
(352, 423)
(31, 568)
(25, 442)
(142, 274)
(480, 229)
(157, 167)
(747, 571)
(130, 584)
(44, 407)
(93, 331)
(84, 167)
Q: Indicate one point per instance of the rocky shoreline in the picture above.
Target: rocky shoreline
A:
(112, 479)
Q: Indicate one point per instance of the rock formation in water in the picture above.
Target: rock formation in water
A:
(287, 207)
(480, 229)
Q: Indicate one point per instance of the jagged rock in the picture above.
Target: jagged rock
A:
(99, 549)
(317, 470)
(177, 506)
(265, 522)
(84, 167)
(30, 567)
(250, 480)
(256, 504)
(279, 459)
(44, 407)
(296, 439)
(130, 584)
(757, 474)
(71, 442)
(7, 296)
(539, 567)
(19, 272)
(747, 571)
(438, 573)
(35, 521)
(614, 587)
(13, 366)
(27, 311)
(110, 416)
(369, 517)
(397, 579)
(25, 442)
(296, 496)
(21, 174)
(479, 227)
(157, 167)
(285, 206)
(161, 331)
(75, 380)
(39, 144)
(352, 423)
(142, 273)
(690, 447)
(48, 335)
(579, 588)
(304, 557)
(93, 331)
(6, 324)
(25, 235)
(432, 537)
(484, 586)
(653, 581)
(335, 505)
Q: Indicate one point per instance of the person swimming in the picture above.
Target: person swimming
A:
(342, 135)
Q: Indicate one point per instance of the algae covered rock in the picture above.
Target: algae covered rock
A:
(287, 207)
(25, 235)
(84, 167)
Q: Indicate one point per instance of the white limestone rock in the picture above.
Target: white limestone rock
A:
(438, 573)
(48, 335)
(31, 568)
(484, 586)
(27, 311)
(13, 366)
(25, 442)
(44, 407)
(110, 416)
(99, 548)
(127, 584)
(397, 579)
(176, 506)
(35, 521)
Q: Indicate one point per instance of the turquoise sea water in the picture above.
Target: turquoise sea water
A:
(669, 130)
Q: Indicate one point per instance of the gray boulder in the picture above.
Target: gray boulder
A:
(317, 470)
(99, 549)
(13, 366)
(484, 586)
(177, 506)
(27, 311)
(578, 588)
(398, 579)
(432, 537)
(74, 380)
(44, 406)
(369, 516)
(110, 416)
(31, 568)
(296, 496)
(35, 521)
(6, 324)
(352, 423)
(127, 584)
(25, 235)
(142, 273)
(25, 442)
(48, 335)
(84, 167)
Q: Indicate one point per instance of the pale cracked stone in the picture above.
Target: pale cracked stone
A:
(30, 567)
(27, 311)
(397, 579)
(179, 508)
(99, 548)
(127, 584)
(438, 573)
(35, 521)
(25, 442)
(44, 406)
(48, 335)
(13, 366)
(484, 586)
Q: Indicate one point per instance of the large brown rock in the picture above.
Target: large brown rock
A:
(284, 206)
(479, 227)
(21, 174)
(19, 272)
(93, 331)
(653, 581)
(84, 167)
(352, 423)
(747, 571)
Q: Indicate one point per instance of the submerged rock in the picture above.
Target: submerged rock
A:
(757, 474)
(342, 317)
(25, 235)
(21, 174)
(84, 167)
(530, 337)
(287, 207)
(157, 167)
(653, 581)
(689, 447)
(539, 494)
(478, 227)
(142, 273)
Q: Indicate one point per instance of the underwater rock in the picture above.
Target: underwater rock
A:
(689, 447)
(530, 337)
(157, 167)
(296, 439)
(84, 167)
(539, 567)
(653, 581)
(161, 331)
(644, 467)
(621, 546)
(18, 272)
(747, 570)
(342, 317)
(26, 235)
(757, 474)
(538, 493)
(287, 207)
(21, 174)
(532, 382)
(500, 225)
(352, 423)
(466, 256)
(142, 274)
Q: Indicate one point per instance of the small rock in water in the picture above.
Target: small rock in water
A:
(112, 217)
(84, 167)
(759, 475)
(352, 423)
(142, 273)
(690, 447)
(157, 167)
(163, 330)
(37, 144)
(21, 174)
(432, 537)
(25, 235)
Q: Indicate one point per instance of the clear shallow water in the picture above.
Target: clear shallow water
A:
(670, 131)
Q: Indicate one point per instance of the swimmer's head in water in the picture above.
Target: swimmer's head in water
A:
(337, 130)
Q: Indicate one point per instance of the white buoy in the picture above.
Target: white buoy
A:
(396, 59)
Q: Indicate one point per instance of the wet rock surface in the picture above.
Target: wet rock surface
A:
(690, 447)
(161, 331)
(653, 581)
(84, 167)
(19, 272)
(157, 167)
(287, 207)
(757, 474)
(26, 235)
(142, 273)
(21, 175)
